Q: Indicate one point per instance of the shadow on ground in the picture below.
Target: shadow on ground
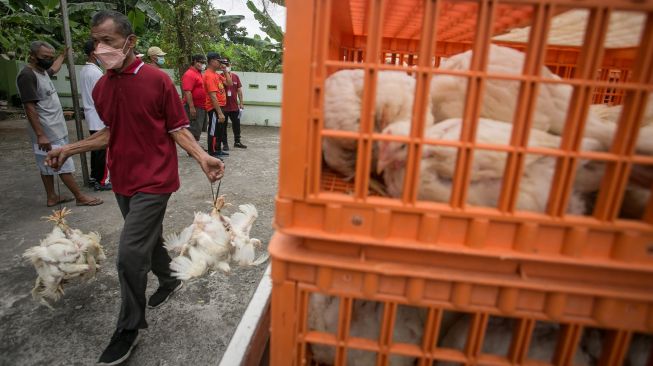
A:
(194, 328)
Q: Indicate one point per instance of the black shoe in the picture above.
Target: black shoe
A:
(103, 187)
(120, 347)
(222, 153)
(162, 295)
(225, 148)
(240, 145)
(91, 182)
(215, 155)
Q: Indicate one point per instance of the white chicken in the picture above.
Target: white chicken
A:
(438, 164)
(638, 191)
(206, 248)
(212, 241)
(343, 95)
(65, 253)
(365, 323)
(244, 246)
(498, 338)
(609, 115)
(501, 96)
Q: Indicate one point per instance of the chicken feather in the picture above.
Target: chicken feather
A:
(501, 97)
(342, 111)
(64, 253)
(213, 240)
(438, 164)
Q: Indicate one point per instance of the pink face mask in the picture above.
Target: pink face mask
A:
(111, 58)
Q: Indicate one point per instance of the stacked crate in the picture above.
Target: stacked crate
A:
(586, 274)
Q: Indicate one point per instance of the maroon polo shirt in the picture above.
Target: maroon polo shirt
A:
(140, 106)
(232, 94)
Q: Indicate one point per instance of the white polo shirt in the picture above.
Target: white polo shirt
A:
(88, 77)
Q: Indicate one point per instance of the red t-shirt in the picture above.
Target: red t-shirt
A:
(214, 82)
(192, 81)
(140, 106)
(232, 94)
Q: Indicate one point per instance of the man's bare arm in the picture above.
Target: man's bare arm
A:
(241, 101)
(56, 66)
(57, 157)
(191, 105)
(216, 106)
(212, 167)
(228, 80)
(35, 122)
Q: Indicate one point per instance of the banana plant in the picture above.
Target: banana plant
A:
(268, 25)
(40, 19)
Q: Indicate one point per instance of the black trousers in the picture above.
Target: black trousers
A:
(235, 124)
(217, 133)
(141, 250)
(99, 170)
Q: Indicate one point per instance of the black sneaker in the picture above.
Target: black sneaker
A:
(222, 153)
(215, 155)
(103, 187)
(225, 148)
(240, 145)
(162, 295)
(91, 182)
(119, 348)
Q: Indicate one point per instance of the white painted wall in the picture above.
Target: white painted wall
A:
(259, 87)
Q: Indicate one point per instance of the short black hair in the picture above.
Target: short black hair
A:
(89, 47)
(212, 56)
(123, 26)
(198, 58)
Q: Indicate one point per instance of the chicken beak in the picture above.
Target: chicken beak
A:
(382, 160)
(381, 164)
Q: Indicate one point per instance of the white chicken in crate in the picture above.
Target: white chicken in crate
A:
(212, 241)
(393, 109)
(65, 253)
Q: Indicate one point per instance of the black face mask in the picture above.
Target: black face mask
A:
(44, 63)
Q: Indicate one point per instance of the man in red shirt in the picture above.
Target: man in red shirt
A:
(144, 118)
(194, 95)
(216, 98)
(234, 106)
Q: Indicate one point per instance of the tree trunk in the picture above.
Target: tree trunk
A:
(183, 18)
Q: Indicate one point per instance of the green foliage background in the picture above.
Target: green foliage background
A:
(180, 27)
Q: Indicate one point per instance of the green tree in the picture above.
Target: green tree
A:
(31, 20)
(261, 54)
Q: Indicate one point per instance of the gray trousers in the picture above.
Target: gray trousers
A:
(197, 123)
(141, 250)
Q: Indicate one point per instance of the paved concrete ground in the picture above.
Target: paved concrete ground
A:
(194, 328)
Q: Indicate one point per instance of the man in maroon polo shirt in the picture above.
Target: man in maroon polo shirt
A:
(144, 117)
(233, 109)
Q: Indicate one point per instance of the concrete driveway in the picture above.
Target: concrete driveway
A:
(194, 328)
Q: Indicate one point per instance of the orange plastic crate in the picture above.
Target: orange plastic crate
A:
(574, 299)
(324, 36)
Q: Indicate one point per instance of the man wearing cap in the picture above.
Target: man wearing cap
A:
(156, 56)
(216, 99)
(194, 95)
(233, 107)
